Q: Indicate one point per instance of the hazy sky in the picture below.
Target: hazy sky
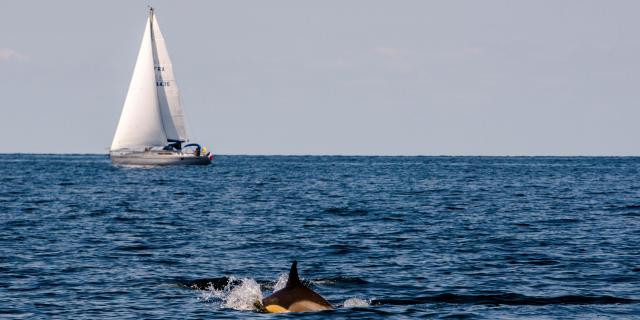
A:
(334, 77)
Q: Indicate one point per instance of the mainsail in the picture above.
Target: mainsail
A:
(152, 114)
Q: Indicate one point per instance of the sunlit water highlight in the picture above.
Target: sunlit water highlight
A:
(378, 237)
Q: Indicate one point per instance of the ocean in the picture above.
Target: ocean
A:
(378, 237)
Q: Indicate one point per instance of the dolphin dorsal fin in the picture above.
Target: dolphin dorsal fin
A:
(294, 280)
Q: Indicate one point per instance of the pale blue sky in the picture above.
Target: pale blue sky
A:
(334, 77)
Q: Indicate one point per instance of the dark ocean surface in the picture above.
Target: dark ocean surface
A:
(378, 237)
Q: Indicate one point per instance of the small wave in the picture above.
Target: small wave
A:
(506, 299)
(42, 201)
(346, 211)
(207, 283)
(522, 224)
(340, 280)
(18, 223)
(541, 262)
(99, 212)
(458, 316)
(632, 207)
(560, 221)
(356, 302)
(134, 247)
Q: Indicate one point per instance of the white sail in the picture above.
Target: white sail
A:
(168, 93)
(140, 123)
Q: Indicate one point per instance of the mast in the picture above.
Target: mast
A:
(154, 54)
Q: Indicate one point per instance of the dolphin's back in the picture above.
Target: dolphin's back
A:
(304, 306)
(295, 297)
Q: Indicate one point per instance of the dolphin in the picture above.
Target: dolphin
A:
(295, 297)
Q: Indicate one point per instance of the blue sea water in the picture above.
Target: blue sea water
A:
(378, 237)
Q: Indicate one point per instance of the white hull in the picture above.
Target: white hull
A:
(158, 158)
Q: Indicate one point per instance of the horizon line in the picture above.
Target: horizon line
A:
(357, 155)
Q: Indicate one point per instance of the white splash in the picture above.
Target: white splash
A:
(244, 296)
(211, 293)
(355, 302)
(323, 282)
(239, 297)
(282, 282)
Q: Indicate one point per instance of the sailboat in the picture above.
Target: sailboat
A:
(151, 130)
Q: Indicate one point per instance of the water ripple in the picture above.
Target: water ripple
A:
(378, 237)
